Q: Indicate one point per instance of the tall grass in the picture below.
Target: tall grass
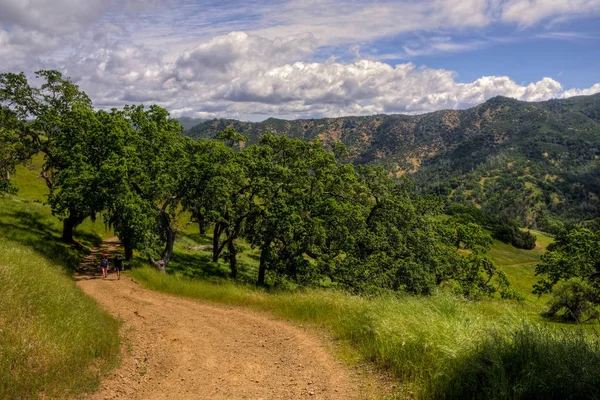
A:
(531, 363)
(440, 346)
(54, 340)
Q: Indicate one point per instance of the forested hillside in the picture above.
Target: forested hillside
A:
(537, 162)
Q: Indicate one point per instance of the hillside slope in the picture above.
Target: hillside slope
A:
(534, 161)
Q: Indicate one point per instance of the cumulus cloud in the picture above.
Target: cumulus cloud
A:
(34, 30)
(247, 76)
(582, 92)
(270, 69)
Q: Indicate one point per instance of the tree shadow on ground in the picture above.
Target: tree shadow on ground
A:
(35, 230)
(200, 239)
(199, 265)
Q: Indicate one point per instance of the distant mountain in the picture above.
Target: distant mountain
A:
(188, 122)
(538, 162)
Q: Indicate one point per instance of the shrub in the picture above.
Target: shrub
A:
(574, 300)
(509, 232)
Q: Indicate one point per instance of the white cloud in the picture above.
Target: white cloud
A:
(335, 22)
(123, 52)
(247, 76)
(582, 92)
(529, 12)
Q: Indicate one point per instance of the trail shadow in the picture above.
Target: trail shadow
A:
(89, 268)
(35, 230)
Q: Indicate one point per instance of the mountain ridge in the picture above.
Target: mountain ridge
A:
(540, 152)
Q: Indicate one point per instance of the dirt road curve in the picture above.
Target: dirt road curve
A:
(174, 348)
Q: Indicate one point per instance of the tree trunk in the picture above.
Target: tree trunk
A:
(128, 252)
(262, 267)
(216, 237)
(202, 225)
(232, 258)
(68, 227)
(170, 234)
(168, 252)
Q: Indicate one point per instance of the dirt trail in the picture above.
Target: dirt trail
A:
(175, 348)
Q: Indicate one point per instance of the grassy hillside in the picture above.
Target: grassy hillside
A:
(538, 162)
(54, 341)
(519, 264)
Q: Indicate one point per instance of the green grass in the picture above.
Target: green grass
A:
(519, 267)
(429, 343)
(191, 260)
(31, 224)
(54, 340)
(26, 178)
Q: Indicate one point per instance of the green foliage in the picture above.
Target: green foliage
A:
(62, 125)
(502, 228)
(574, 253)
(509, 232)
(532, 162)
(16, 146)
(312, 216)
(574, 300)
(462, 230)
(145, 175)
(307, 207)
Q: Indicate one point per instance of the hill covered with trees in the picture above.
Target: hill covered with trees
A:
(534, 162)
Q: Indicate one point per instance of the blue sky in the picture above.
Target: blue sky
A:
(302, 59)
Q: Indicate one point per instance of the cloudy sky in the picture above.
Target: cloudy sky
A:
(307, 58)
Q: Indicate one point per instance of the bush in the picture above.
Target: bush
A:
(574, 300)
(509, 232)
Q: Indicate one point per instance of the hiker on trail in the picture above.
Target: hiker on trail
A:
(104, 265)
(118, 264)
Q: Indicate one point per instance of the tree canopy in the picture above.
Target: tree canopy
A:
(313, 215)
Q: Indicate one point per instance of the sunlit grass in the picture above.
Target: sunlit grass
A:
(519, 266)
(54, 340)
